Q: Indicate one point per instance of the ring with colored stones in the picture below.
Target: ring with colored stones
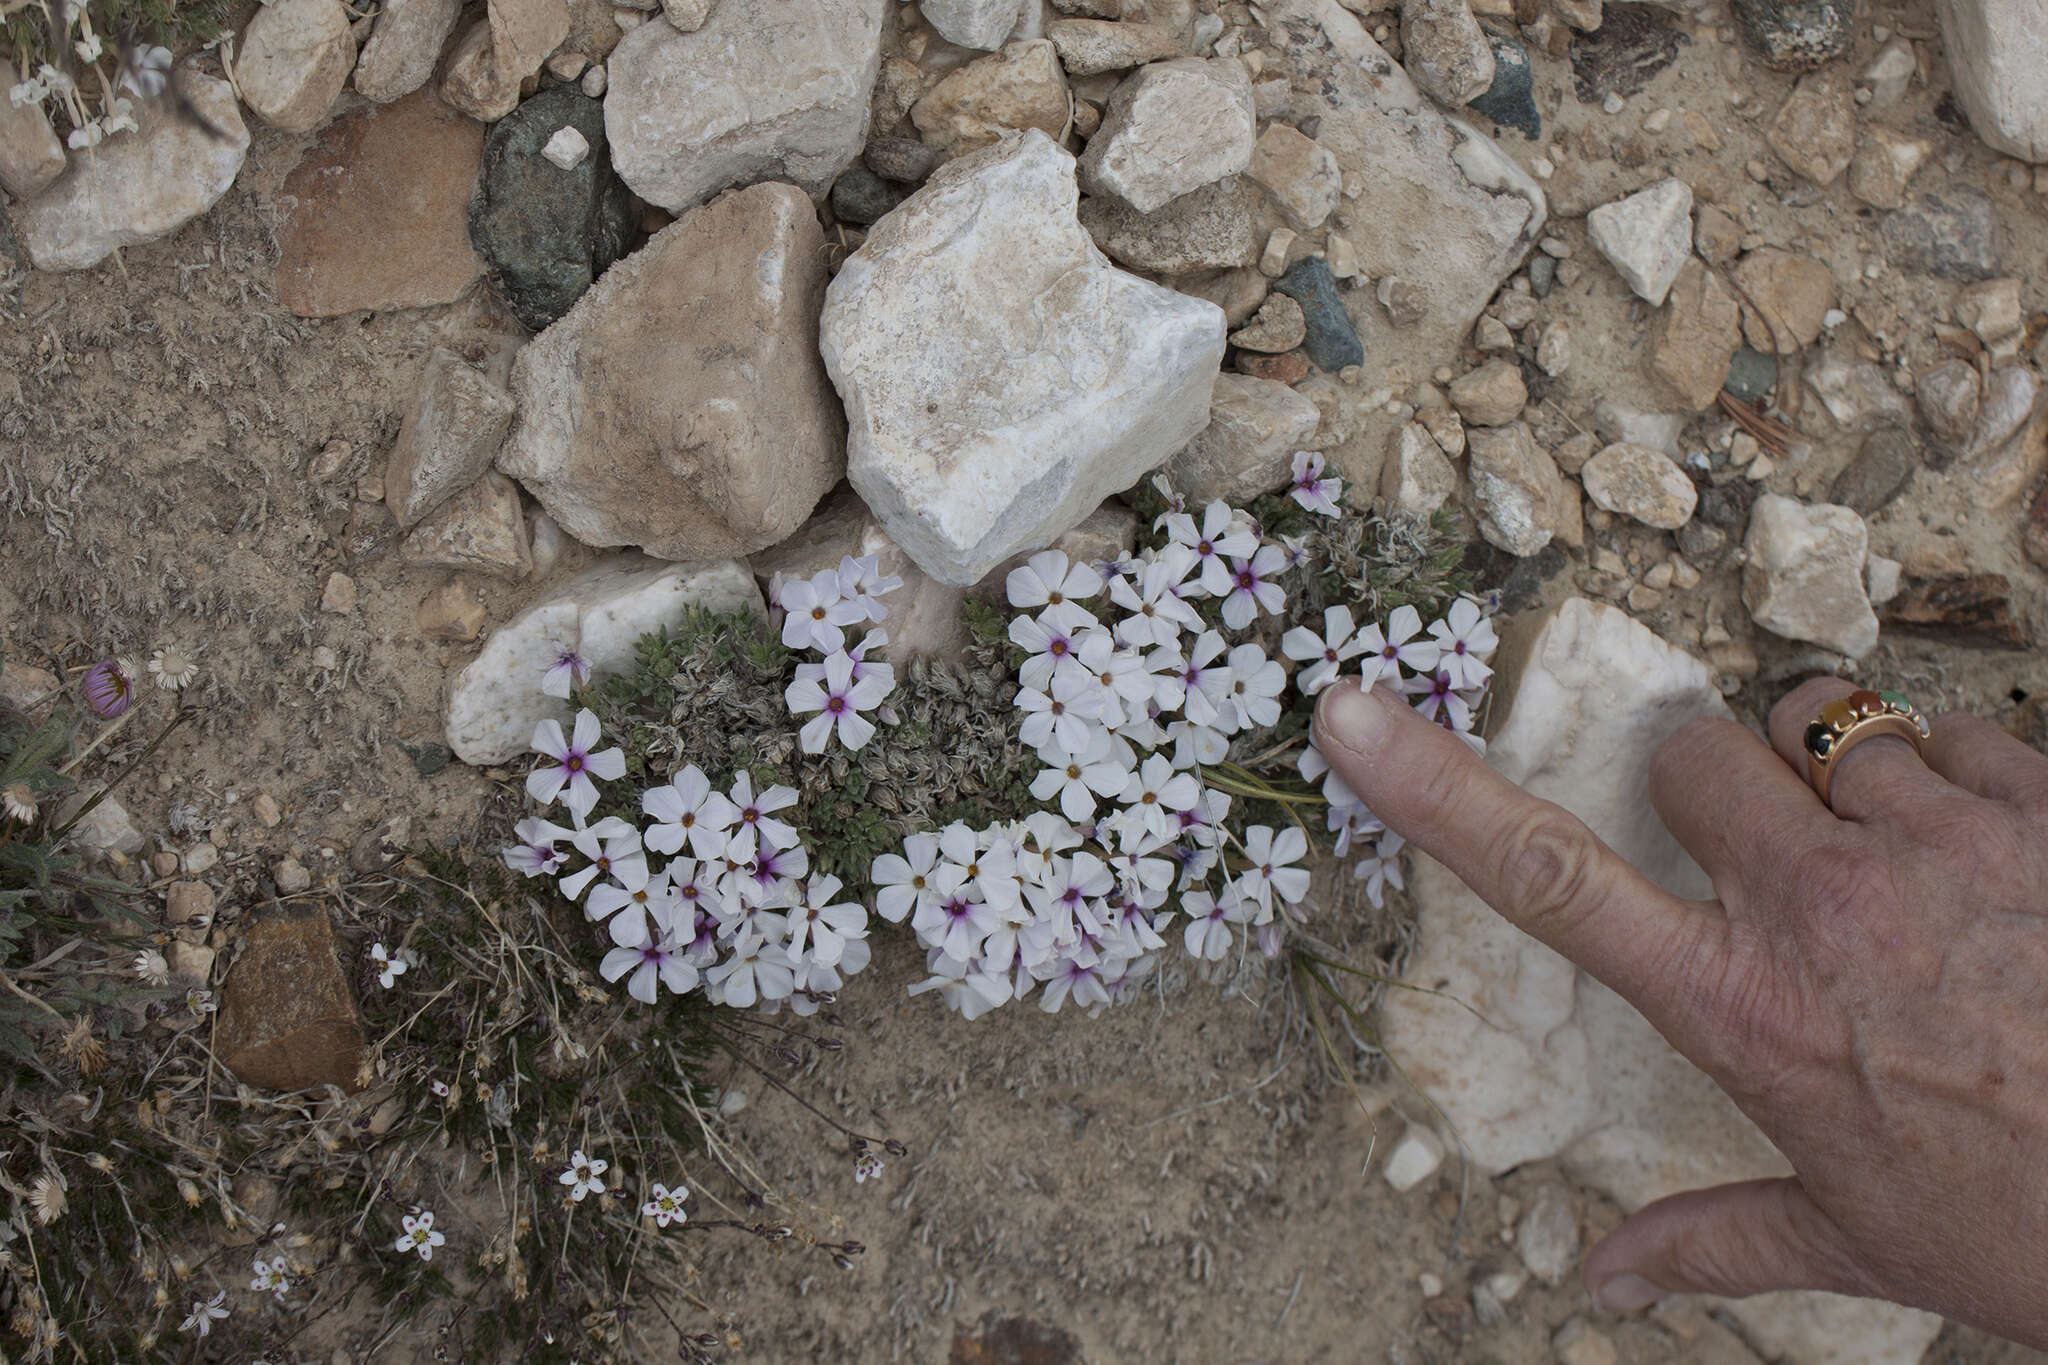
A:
(1848, 721)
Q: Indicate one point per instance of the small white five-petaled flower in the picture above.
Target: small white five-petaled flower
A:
(420, 1234)
(585, 1175)
(666, 1206)
(203, 1315)
(389, 967)
(569, 671)
(271, 1277)
(867, 1166)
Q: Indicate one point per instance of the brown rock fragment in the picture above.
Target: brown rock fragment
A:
(1974, 611)
(377, 215)
(288, 1018)
(1695, 337)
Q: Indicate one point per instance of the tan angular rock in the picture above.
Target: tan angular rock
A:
(924, 614)
(681, 405)
(1643, 484)
(1417, 478)
(525, 32)
(450, 436)
(453, 612)
(1884, 166)
(293, 58)
(1278, 326)
(1804, 578)
(1172, 127)
(1792, 294)
(474, 81)
(403, 47)
(288, 1018)
(479, 528)
(1492, 395)
(1519, 498)
(1088, 47)
(1255, 426)
(1950, 395)
(1445, 50)
(1695, 337)
(1205, 229)
(30, 154)
(1815, 130)
(377, 214)
(1302, 176)
(1019, 87)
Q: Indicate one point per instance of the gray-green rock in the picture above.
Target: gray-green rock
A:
(861, 197)
(1511, 100)
(1332, 337)
(544, 232)
(1751, 375)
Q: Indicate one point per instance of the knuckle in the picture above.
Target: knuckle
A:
(1549, 866)
(1838, 882)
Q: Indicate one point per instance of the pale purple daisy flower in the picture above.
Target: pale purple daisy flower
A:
(1437, 697)
(862, 585)
(1220, 536)
(1309, 488)
(609, 844)
(756, 970)
(109, 687)
(569, 775)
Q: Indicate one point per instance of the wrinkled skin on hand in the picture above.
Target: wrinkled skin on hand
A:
(1870, 985)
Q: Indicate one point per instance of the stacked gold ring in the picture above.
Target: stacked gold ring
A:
(1848, 721)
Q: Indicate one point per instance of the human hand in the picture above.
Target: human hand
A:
(1870, 986)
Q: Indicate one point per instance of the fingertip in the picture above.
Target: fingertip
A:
(1625, 1292)
(1354, 719)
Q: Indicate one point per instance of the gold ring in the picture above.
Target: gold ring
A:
(1848, 721)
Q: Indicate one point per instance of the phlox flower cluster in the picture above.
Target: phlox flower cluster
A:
(1129, 687)
(1137, 678)
(713, 891)
(817, 614)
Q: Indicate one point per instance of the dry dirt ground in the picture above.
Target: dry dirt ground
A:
(1176, 1181)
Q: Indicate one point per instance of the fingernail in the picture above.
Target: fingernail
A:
(1626, 1293)
(1352, 718)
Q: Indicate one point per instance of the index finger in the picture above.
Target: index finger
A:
(1535, 863)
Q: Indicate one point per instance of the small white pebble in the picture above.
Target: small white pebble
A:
(1658, 121)
(566, 148)
(1833, 318)
(1614, 103)
(1430, 1283)
(1543, 168)
(593, 81)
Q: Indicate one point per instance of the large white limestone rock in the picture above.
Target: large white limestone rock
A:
(139, 186)
(1559, 1067)
(1001, 377)
(766, 90)
(495, 701)
(1997, 54)
(1804, 579)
